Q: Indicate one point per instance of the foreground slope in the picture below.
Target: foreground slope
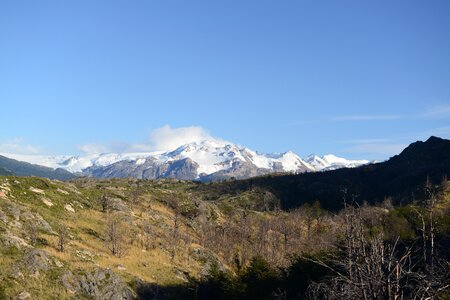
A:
(32, 213)
(166, 239)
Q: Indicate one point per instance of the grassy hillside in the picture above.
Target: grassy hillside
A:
(48, 205)
(163, 222)
(56, 242)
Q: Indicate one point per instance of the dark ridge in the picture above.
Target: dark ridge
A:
(402, 178)
(5, 172)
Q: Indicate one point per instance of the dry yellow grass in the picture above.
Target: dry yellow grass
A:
(154, 265)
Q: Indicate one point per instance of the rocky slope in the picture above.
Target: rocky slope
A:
(35, 213)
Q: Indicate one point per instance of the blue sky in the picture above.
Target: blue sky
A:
(360, 79)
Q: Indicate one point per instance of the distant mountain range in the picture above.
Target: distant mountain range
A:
(293, 180)
(14, 167)
(207, 160)
(402, 178)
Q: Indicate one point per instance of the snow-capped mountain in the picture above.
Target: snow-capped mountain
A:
(202, 160)
(213, 156)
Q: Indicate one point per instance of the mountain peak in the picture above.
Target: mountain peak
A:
(417, 152)
(434, 139)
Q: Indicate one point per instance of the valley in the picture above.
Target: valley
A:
(235, 239)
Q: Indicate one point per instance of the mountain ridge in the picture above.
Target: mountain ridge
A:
(204, 160)
(10, 166)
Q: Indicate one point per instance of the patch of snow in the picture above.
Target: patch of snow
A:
(140, 161)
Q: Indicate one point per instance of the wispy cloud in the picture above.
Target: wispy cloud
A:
(437, 111)
(302, 122)
(377, 149)
(165, 138)
(432, 112)
(365, 141)
(18, 146)
(367, 118)
(386, 147)
(440, 132)
(440, 111)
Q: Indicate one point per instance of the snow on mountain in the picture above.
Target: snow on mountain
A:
(289, 161)
(316, 162)
(213, 156)
(210, 155)
(332, 162)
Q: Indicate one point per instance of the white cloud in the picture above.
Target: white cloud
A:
(17, 146)
(164, 138)
(168, 138)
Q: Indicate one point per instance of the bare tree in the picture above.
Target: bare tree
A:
(371, 267)
(116, 235)
(175, 234)
(431, 200)
(63, 236)
(33, 232)
(135, 194)
(105, 202)
(149, 238)
(434, 280)
(284, 225)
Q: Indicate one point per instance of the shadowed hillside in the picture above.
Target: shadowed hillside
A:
(10, 166)
(402, 178)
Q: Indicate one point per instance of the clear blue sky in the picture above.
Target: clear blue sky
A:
(358, 79)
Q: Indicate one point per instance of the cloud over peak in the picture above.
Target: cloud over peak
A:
(164, 138)
(168, 138)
